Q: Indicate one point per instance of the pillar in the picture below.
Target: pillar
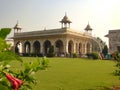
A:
(74, 48)
(31, 47)
(14, 45)
(65, 45)
(85, 49)
(42, 47)
(90, 48)
(23, 48)
(53, 44)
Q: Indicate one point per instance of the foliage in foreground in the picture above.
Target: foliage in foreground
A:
(26, 74)
(117, 58)
(21, 78)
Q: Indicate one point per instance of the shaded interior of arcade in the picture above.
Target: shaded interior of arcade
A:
(60, 48)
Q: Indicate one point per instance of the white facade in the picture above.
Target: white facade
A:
(64, 40)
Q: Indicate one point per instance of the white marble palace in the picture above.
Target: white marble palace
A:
(64, 40)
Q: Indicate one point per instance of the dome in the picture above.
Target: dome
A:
(65, 19)
(17, 26)
(88, 27)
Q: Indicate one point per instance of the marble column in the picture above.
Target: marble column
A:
(65, 45)
(23, 48)
(31, 47)
(42, 47)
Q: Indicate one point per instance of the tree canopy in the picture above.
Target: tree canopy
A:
(105, 50)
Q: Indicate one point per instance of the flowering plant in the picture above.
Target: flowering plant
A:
(21, 79)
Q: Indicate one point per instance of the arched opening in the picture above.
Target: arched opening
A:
(59, 47)
(36, 47)
(18, 47)
(88, 47)
(47, 45)
(27, 47)
(70, 47)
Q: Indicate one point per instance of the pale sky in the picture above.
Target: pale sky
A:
(102, 15)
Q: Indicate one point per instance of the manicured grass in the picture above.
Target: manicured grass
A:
(75, 74)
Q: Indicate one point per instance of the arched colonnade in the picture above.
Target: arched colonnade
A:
(60, 46)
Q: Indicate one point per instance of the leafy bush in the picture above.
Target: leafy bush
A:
(75, 55)
(93, 55)
(50, 55)
(22, 78)
(89, 55)
(34, 55)
(25, 54)
(116, 55)
(105, 50)
(117, 58)
(25, 75)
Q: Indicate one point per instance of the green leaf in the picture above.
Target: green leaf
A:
(4, 32)
(8, 56)
(25, 87)
(3, 45)
(4, 85)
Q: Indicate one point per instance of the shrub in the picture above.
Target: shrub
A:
(93, 55)
(105, 50)
(74, 55)
(116, 55)
(117, 58)
(26, 54)
(36, 55)
(89, 55)
(21, 78)
(50, 55)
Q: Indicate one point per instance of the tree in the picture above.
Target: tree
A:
(105, 50)
(102, 43)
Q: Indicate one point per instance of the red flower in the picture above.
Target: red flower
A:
(16, 83)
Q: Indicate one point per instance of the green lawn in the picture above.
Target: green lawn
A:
(75, 74)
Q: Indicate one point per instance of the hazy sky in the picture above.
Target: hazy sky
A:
(102, 15)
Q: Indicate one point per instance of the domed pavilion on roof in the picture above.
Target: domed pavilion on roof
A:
(64, 40)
